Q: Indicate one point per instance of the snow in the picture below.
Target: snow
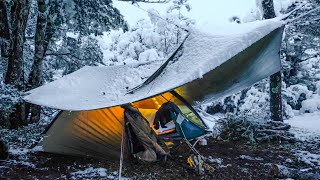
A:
(18, 151)
(298, 89)
(211, 121)
(21, 163)
(253, 96)
(102, 172)
(99, 87)
(215, 160)
(311, 159)
(149, 55)
(218, 161)
(205, 50)
(306, 128)
(240, 29)
(142, 43)
(250, 158)
(306, 125)
(92, 87)
(95, 173)
(311, 52)
(311, 105)
(37, 148)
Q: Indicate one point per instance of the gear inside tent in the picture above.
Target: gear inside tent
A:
(206, 66)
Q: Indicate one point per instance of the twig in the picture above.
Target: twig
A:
(302, 15)
(285, 16)
(170, 22)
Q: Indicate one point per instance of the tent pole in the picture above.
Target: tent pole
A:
(121, 152)
(177, 95)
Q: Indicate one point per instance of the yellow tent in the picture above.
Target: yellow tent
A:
(98, 133)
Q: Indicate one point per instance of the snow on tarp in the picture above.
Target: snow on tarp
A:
(92, 87)
(99, 87)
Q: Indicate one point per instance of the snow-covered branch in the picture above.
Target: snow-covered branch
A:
(303, 15)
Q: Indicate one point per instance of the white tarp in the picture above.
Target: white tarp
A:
(99, 87)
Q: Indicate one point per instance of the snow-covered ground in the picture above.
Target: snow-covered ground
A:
(305, 126)
(100, 173)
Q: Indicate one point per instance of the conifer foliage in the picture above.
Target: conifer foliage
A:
(33, 32)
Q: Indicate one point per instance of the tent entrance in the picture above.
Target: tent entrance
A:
(150, 106)
(171, 102)
(162, 119)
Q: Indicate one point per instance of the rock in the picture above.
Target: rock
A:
(3, 150)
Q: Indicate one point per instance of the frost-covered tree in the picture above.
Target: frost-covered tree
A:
(41, 30)
(301, 61)
(300, 83)
(149, 40)
(177, 5)
(14, 16)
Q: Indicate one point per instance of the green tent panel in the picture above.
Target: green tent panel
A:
(258, 61)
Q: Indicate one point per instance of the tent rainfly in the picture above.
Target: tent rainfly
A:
(206, 66)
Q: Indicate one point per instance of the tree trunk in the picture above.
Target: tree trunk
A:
(275, 79)
(275, 97)
(35, 77)
(4, 31)
(4, 42)
(14, 74)
(44, 32)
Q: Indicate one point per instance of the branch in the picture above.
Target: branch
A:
(67, 54)
(63, 54)
(285, 16)
(58, 54)
(301, 16)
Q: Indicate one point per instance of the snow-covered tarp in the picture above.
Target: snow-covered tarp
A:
(201, 53)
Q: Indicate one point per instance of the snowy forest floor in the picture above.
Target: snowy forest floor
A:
(231, 160)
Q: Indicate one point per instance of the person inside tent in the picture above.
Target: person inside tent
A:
(163, 120)
(145, 145)
(172, 124)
